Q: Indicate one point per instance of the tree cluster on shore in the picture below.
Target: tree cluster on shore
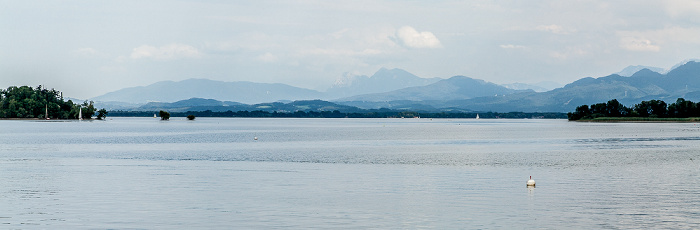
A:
(645, 109)
(338, 114)
(29, 102)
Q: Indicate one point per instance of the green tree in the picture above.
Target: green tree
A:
(581, 112)
(682, 108)
(28, 102)
(101, 114)
(643, 109)
(88, 109)
(164, 115)
(658, 108)
(615, 109)
(599, 110)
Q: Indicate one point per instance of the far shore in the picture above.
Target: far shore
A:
(642, 120)
(22, 119)
(40, 119)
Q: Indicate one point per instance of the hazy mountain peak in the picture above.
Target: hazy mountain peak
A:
(384, 80)
(645, 72)
(465, 80)
(525, 86)
(689, 65)
(346, 80)
(630, 70)
(246, 92)
(453, 88)
(393, 74)
(684, 62)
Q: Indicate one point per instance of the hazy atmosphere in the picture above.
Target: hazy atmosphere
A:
(88, 48)
(381, 114)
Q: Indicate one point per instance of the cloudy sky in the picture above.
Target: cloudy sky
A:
(88, 48)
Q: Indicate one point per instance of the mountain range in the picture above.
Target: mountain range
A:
(401, 90)
(243, 92)
(384, 80)
(454, 88)
(201, 104)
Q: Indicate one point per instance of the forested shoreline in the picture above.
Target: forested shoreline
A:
(25, 102)
(338, 114)
(645, 110)
(29, 102)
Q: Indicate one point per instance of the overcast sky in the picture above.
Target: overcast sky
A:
(88, 48)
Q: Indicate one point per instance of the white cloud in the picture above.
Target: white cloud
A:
(340, 52)
(339, 34)
(347, 43)
(409, 37)
(667, 35)
(86, 52)
(683, 9)
(638, 44)
(570, 52)
(267, 57)
(171, 51)
(671, 38)
(511, 46)
(555, 29)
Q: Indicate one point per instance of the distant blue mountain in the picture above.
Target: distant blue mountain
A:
(454, 88)
(537, 87)
(384, 80)
(244, 92)
(458, 93)
(199, 104)
(629, 70)
(681, 82)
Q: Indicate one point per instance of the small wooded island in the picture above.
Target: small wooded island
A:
(654, 110)
(27, 102)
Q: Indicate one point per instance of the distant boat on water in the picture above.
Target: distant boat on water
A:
(477, 116)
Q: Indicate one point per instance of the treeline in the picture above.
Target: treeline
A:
(28, 102)
(338, 114)
(651, 109)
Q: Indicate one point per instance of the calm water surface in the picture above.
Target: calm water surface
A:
(142, 173)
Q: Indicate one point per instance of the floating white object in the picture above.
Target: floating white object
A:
(531, 182)
(255, 138)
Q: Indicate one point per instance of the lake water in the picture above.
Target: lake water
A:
(142, 173)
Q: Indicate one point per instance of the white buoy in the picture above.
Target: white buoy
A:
(255, 138)
(531, 182)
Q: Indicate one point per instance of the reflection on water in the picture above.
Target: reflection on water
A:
(348, 173)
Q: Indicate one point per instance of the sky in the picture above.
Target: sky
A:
(88, 48)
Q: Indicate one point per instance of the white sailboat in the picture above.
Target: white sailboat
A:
(477, 116)
(80, 114)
